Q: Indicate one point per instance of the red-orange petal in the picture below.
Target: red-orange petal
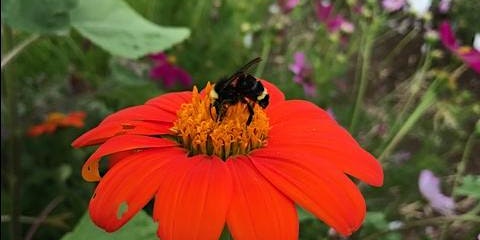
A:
(193, 199)
(276, 95)
(110, 129)
(317, 186)
(258, 210)
(171, 102)
(129, 185)
(141, 112)
(312, 130)
(118, 144)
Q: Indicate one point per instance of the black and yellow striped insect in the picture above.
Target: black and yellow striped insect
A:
(239, 87)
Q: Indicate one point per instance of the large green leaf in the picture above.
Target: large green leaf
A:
(38, 16)
(117, 28)
(139, 227)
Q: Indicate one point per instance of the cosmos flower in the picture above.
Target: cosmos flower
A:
(393, 5)
(470, 56)
(429, 186)
(287, 5)
(419, 7)
(333, 22)
(204, 173)
(164, 70)
(444, 6)
(55, 120)
(303, 73)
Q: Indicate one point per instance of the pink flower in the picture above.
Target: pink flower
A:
(429, 186)
(165, 71)
(303, 74)
(444, 6)
(393, 5)
(333, 22)
(467, 54)
(287, 5)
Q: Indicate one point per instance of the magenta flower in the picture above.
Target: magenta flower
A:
(393, 5)
(429, 186)
(467, 54)
(333, 22)
(303, 74)
(287, 5)
(165, 71)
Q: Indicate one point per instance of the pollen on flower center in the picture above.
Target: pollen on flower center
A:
(198, 131)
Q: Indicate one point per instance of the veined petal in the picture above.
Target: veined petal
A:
(114, 128)
(317, 186)
(171, 102)
(142, 112)
(129, 185)
(258, 210)
(313, 131)
(192, 200)
(118, 144)
(276, 95)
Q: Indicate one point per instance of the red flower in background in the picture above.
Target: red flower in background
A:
(57, 119)
(164, 70)
(467, 54)
(204, 174)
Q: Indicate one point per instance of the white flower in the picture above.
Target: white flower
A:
(476, 42)
(419, 7)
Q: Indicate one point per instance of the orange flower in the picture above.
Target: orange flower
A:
(55, 120)
(204, 173)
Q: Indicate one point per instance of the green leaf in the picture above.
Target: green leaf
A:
(38, 16)
(139, 227)
(470, 187)
(117, 28)
(303, 215)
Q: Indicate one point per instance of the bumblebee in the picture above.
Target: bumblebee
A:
(241, 87)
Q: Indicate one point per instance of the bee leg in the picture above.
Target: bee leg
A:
(251, 112)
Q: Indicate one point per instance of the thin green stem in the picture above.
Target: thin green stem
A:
(18, 49)
(366, 53)
(398, 47)
(12, 145)
(428, 221)
(467, 151)
(267, 46)
(426, 101)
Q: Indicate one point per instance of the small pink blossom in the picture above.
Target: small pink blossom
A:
(444, 6)
(429, 186)
(467, 54)
(303, 74)
(333, 22)
(393, 5)
(287, 5)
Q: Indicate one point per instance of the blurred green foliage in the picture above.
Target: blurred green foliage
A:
(100, 65)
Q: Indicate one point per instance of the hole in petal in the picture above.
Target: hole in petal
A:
(122, 209)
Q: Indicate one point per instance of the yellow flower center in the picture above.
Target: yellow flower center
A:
(198, 130)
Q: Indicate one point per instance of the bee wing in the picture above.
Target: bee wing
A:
(240, 71)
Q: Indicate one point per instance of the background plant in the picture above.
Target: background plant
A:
(386, 77)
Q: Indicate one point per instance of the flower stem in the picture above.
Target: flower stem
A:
(267, 45)
(17, 49)
(366, 54)
(467, 151)
(12, 145)
(426, 101)
(427, 221)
